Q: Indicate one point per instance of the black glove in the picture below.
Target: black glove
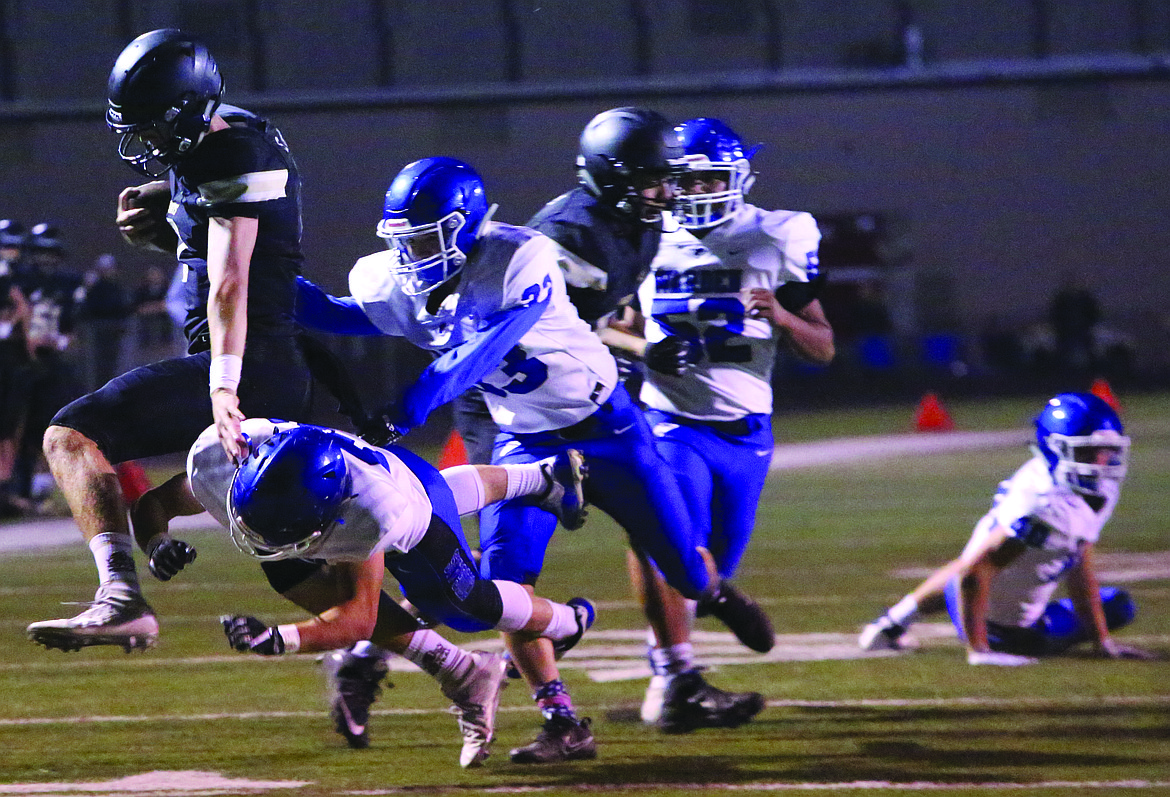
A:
(166, 556)
(381, 430)
(249, 635)
(671, 356)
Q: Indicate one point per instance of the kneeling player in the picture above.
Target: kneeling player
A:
(1041, 530)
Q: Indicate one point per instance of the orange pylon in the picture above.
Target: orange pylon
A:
(1101, 390)
(453, 453)
(932, 416)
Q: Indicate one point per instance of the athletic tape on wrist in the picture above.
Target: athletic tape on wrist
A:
(225, 372)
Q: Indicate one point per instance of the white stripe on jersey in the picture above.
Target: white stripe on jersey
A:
(251, 187)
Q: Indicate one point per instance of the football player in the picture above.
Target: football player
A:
(344, 512)
(730, 283)
(492, 296)
(233, 195)
(1042, 530)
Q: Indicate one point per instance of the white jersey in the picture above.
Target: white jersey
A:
(389, 511)
(695, 289)
(558, 374)
(1031, 500)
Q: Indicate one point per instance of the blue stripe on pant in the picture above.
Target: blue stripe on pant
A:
(628, 480)
(721, 475)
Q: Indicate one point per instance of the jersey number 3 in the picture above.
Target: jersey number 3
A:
(530, 374)
(717, 341)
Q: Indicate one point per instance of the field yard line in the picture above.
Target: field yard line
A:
(845, 450)
(926, 702)
(855, 785)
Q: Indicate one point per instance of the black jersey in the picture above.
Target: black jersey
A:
(245, 170)
(606, 240)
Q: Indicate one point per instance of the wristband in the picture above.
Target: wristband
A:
(291, 637)
(225, 372)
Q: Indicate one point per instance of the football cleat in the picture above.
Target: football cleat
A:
(585, 617)
(114, 617)
(690, 702)
(564, 494)
(561, 738)
(883, 634)
(652, 702)
(476, 698)
(352, 684)
(743, 616)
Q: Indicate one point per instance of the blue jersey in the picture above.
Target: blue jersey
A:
(243, 171)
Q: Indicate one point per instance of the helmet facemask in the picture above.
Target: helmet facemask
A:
(701, 209)
(1080, 464)
(428, 254)
(154, 147)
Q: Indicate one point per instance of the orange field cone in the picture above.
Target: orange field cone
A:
(133, 479)
(1101, 390)
(932, 416)
(453, 453)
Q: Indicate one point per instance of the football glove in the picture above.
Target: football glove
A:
(166, 556)
(381, 430)
(249, 635)
(671, 356)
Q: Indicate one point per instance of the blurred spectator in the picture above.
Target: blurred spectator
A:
(104, 305)
(52, 292)
(156, 328)
(14, 358)
(1073, 314)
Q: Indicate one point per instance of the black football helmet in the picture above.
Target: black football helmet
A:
(45, 237)
(12, 234)
(164, 89)
(626, 150)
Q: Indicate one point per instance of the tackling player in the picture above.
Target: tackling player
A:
(493, 297)
(341, 512)
(1042, 529)
(234, 201)
(730, 283)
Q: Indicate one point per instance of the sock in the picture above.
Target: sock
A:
(904, 612)
(673, 659)
(438, 658)
(517, 606)
(527, 479)
(563, 623)
(114, 555)
(553, 700)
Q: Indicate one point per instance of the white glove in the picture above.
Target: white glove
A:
(998, 659)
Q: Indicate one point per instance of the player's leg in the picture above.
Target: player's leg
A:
(1061, 627)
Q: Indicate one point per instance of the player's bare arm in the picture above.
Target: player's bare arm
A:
(230, 242)
(807, 333)
(142, 216)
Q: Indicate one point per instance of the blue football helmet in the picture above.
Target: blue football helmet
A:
(163, 90)
(1071, 431)
(713, 151)
(287, 494)
(434, 212)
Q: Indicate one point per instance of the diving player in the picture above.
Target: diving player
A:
(493, 297)
(730, 283)
(1042, 530)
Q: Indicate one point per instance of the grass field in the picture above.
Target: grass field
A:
(833, 546)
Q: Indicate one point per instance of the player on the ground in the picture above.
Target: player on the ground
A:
(342, 512)
(729, 284)
(234, 201)
(1042, 530)
(493, 297)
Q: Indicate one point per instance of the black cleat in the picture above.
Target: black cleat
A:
(353, 684)
(742, 615)
(561, 739)
(690, 703)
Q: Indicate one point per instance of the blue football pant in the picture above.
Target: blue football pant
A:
(628, 480)
(1057, 630)
(721, 475)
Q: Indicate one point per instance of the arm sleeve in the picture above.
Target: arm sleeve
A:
(317, 309)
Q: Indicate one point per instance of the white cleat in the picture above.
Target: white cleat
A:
(113, 618)
(997, 659)
(655, 696)
(476, 698)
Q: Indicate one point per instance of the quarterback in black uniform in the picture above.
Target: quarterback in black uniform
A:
(231, 191)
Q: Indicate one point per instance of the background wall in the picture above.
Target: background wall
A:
(1021, 144)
